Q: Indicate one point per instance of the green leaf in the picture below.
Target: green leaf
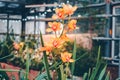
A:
(81, 56)
(45, 61)
(94, 72)
(85, 76)
(63, 76)
(74, 57)
(98, 57)
(89, 74)
(102, 73)
(9, 70)
(27, 66)
(97, 73)
(21, 75)
(41, 76)
(6, 56)
(107, 76)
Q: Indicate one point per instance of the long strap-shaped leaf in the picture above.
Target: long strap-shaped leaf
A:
(45, 59)
(41, 76)
(63, 76)
(85, 76)
(102, 73)
(27, 66)
(108, 76)
(74, 57)
(98, 64)
(95, 71)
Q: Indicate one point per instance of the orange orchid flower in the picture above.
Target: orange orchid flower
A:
(57, 42)
(72, 25)
(69, 10)
(46, 48)
(65, 37)
(55, 26)
(30, 50)
(60, 13)
(55, 16)
(16, 46)
(66, 57)
(54, 43)
(21, 44)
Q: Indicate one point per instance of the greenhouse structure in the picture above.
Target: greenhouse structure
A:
(59, 40)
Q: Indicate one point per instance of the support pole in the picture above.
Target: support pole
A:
(35, 23)
(108, 23)
(119, 59)
(7, 23)
(23, 27)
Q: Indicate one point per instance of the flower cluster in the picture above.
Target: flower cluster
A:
(18, 46)
(22, 48)
(65, 11)
(56, 44)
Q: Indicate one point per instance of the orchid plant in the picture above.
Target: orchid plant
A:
(55, 50)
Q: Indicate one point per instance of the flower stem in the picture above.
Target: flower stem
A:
(63, 28)
(45, 59)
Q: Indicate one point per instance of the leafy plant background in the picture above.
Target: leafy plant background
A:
(81, 65)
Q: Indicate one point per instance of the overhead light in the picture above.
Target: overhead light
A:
(49, 10)
(13, 5)
(54, 9)
(43, 15)
(59, 5)
(79, 15)
(68, 1)
(32, 11)
(45, 12)
(2, 4)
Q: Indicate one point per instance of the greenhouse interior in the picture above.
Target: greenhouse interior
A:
(59, 40)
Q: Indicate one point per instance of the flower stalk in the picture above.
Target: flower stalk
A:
(45, 59)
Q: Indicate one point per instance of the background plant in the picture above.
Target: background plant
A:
(6, 48)
(99, 71)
